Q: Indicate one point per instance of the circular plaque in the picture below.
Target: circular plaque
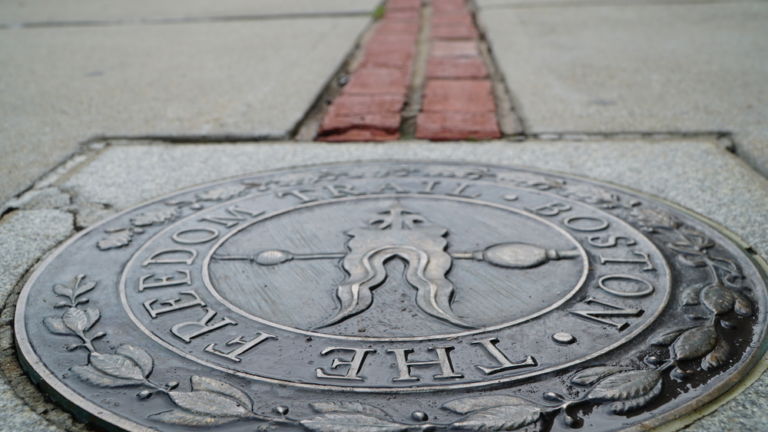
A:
(394, 296)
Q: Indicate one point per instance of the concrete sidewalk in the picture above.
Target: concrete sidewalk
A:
(95, 72)
(103, 108)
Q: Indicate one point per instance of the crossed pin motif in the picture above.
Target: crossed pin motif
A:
(400, 233)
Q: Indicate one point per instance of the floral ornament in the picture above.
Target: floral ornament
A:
(120, 237)
(76, 320)
(723, 293)
(209, 402)
(650, 220)
(534, 181)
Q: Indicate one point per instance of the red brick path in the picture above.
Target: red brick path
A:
(458, 100)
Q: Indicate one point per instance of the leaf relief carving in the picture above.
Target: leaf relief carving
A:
(348, 407)
(56, 325)
(209, 403)
(117, 366)
(186, 418)
(346, 422)
(470, 404)
(221, 193)
(695, 342)
(625, 406)
(592, 375)
(718, 357)
(92, 376)
(501, 418)
(141, 358)
(116, 239)
(717, 299)
(742, 305)
(211, 385)
(155, 217)
(625, 385)
(76, 320)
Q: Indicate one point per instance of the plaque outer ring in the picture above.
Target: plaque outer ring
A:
(675, 419)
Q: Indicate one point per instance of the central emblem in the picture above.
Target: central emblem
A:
(405, 234)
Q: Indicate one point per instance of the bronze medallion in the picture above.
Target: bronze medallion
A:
(394, 296)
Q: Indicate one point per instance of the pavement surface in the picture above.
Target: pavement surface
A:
(609, 66)
(67, 84)
(102, 108)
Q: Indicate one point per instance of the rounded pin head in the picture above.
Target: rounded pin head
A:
(273, 257)
(515, 255)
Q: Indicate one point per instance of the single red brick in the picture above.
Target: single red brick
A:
(360, 135)
(390, 51)
(442, 48)
(459, 18)
(389, 58)
(391, 42)
(403, 14)
(403, 4)
(352, 104)
(456, 67)
(333, 123)
(453, 31)
(378, 80)
(390, 27)
(458, 96)
(448, 5)
(457, 126)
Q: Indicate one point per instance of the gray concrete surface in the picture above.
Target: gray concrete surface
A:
(647, 66)
(695, 173)
(29, 234)
(61, 86)
(19, 12)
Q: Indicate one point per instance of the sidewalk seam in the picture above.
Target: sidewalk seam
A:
(182, 20)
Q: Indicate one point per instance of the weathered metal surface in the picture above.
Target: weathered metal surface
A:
(394, 297)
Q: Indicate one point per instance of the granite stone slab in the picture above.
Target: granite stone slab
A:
(19, 12)
(694, 173)
(61, 86)
(26, 236)
(647, 67)
(697, 174)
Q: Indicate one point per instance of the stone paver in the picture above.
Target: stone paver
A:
(61, 86)
(52, 11)
(695, 173)
(652, 66)
(29, 234)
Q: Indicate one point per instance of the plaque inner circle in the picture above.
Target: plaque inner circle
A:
(298, 273)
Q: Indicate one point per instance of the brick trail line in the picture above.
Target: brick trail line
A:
(457, 95)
